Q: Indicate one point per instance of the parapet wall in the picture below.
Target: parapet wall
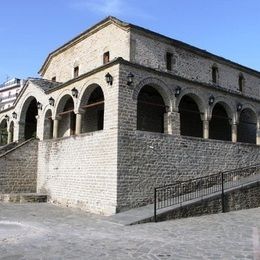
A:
(18, 168)
(80, 171)
(148, 160)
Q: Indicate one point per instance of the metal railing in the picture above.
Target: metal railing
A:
(180, 192)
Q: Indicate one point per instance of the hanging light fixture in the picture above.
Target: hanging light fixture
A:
(39, 105)
(211, 100)
(239, 107)
(14, 114)
(74, 92)
(177, 91)
(109, 79)
(51, 101)
(130, 79)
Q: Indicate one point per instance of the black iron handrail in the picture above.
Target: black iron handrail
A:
(183, 191)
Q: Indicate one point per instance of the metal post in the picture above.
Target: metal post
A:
(222, 192)
(155, 219)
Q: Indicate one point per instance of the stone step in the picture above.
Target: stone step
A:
(23, 198)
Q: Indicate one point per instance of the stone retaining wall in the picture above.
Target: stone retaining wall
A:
(18, 168)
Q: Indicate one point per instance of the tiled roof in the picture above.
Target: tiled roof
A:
(44, 83)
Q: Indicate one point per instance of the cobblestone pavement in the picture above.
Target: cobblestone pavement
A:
(44, 231)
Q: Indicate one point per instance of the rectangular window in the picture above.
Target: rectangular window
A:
(76, 72)
(214, 74)
(169, 61)
(106, 57)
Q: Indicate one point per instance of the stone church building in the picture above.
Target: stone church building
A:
(119, 110)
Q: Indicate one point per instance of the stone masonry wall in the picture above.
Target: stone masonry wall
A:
(80, 171)
(18, 169)
(88, 53)
(151, 52)
(147, 160)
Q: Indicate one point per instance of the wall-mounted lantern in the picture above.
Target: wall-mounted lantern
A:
(130, 79)
(177, 91)
(51, 101)
(211, 100)
(74, 92)
(39, 105)
(109, 79)
(14, 114)
(239, 107)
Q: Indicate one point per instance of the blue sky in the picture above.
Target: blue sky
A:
(30, 29)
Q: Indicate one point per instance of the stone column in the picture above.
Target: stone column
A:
(206, 129)
(234, 133)
(78, 123)
(20, 131)
(172, 123)
(9, 135)
(55, 127)
(258, 136)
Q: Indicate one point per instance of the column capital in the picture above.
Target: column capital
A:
(56, 118)
(80, 111)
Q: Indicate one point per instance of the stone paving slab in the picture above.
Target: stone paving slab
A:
(45, 231)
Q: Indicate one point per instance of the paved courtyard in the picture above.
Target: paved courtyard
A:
(44, 231)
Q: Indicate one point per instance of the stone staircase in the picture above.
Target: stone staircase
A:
(23, 198)
(18, 172)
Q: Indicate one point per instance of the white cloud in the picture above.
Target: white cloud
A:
(107, 7)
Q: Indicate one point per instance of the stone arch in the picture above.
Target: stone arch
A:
(190, 116)
(3, 132)
(150, 110)
(195, 96)
(157, 84)
(28, 120)
(230, 110)
(220, 123)
(92, 105)
(66, 115)
(61, 101)
(246, 129)
(48, 125)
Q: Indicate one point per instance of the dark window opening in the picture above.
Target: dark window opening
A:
(190, 120)
(106, 57)
(169, 61)
(241, 81)
(30, 120)
(94, 116)
(150, 110)
(53, 79)
(67, 124)
(214, 74)
(76, 72)
(246, 129)
(3, 133)
(219, 125)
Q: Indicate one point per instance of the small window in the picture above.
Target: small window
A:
(76, 72)
(106, 57)
(214, 74)
(53, 79)
(169, 61)
(241, 82)
(9, 93)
